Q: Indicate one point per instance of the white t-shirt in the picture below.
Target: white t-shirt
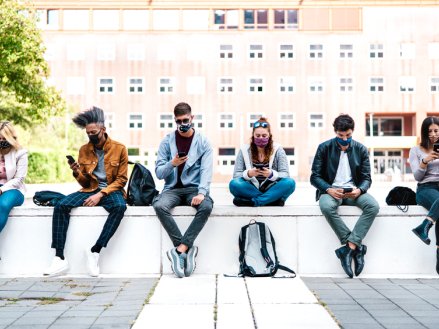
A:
(343, 178)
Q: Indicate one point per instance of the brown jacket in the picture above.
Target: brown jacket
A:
(116, 167)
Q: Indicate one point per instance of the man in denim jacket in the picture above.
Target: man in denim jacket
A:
(184, 161)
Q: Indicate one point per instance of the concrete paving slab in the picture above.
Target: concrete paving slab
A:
(232, 291)
(234, 316)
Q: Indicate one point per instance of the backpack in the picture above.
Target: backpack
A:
(257, 249)
(401, 197)
(141, 186)
(47, 198)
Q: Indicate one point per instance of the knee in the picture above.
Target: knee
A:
(372, 208)
(234, 185)
(119, 208)
(160, 206)
(325, 206)
(290, 185)
(206, 206)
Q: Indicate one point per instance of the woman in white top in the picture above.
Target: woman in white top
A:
(425, 167)
(13, 170)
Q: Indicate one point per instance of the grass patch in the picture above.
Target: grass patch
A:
(107, 306)
(49, 300)
(151, 292)
(83, 293)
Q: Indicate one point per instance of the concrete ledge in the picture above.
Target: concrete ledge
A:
(304, 240)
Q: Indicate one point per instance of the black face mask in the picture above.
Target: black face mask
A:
(4, 144)
(94, 139)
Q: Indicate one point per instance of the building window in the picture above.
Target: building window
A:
(198, 121)
(256, 85)
(106, 52)
(315, 51)
(434, 84)
(285, 19)
(407, 84)
(165, 20)
(287, 84)
(316, 120)
(166, 52)
(166, 121)
(109, 120)
(407, 51)
(106, 85)
(433, 50)
(226, 19)
(291, 158)
(166, 85)
(105, 19)
(385, 126)
(346, 84)
(256, 52)
(226, 159)
(376, 84)
(252, 118)
(225, 85)
(135, 85)
(136, 52)
(48, 19)
(136, 19)
(256, 18)
(226, 120)
(197, 52)
(195, 19)
(346, 51)
(75, 52)
(195, 85)
(286, 51)
(286, 120)
(135, 121)
(315, 85)
(376, 50)
(75, 19)
(226, 51)
(75, 85)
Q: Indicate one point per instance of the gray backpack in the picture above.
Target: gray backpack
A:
(257, 248)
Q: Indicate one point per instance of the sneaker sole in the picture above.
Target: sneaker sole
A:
(172, 265)
(427, 241)
(61, 272)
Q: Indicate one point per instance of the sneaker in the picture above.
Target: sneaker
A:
(57, 267)
(177, 261)
(240, 202)
(277, 203)
(92, 262)
(190, 261)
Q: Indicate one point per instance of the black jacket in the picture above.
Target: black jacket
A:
(325, 164)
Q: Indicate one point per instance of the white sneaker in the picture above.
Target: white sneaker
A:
(92, 262)
(57, 267)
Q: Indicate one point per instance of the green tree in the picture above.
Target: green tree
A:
(25, 98)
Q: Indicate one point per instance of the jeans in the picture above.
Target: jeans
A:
(114, 203)
(365, 201)
(244, 189)
(427, 195)
(9, 200)
(169, 199)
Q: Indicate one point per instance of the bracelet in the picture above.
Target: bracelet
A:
(422, 160)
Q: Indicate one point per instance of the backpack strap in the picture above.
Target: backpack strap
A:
(263, 240)
(241, 242)
(286, 269)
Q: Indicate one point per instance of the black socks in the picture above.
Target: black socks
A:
(59, 253)
(96, 248)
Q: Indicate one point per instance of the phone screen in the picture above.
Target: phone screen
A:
(181, 154)
(436, 147)
(70, 159)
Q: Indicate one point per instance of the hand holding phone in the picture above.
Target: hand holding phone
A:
(181, 154)
(347, 190)
(70, 159)
(436, 147)
(260, 165)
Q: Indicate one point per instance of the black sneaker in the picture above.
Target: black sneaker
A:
(239, 202)
(277, 203)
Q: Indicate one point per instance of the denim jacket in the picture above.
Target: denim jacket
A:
(197, 171)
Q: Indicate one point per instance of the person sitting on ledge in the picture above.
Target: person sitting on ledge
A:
(101, 170)
(261, 175)
(341, 174)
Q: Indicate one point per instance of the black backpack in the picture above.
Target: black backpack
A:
(141, 187)
(402, 197)
(47, 198)
(257, 249)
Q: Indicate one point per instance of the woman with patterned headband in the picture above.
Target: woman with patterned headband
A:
(261, 176)
(13, 170)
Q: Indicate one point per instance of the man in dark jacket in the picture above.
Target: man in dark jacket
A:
(341, 174)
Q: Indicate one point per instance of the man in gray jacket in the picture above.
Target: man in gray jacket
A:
(184, 161)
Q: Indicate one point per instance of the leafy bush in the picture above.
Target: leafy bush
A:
(48, 167)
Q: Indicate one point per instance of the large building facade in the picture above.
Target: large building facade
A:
(299, 63)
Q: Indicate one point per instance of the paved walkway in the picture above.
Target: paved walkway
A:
(380, 303)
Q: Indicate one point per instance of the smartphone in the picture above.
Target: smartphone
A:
(181, 154)
(70, 159)
(347, 189)
(261, 165)
(436, 147)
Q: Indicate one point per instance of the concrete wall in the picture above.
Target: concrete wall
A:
(305, 242)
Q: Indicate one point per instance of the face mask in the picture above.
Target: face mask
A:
(344, 142)
(261, 141)
(4, 145)
(185, 127)
(94, 139)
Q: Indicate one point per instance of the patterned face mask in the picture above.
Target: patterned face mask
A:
(4, 144)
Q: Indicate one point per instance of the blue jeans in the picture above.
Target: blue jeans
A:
(244, 189)
(427, 195)
(9, 200)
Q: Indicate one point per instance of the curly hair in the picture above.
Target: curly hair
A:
(92, 115)
(268, 150)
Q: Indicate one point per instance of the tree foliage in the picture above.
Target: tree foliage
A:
(25, 97)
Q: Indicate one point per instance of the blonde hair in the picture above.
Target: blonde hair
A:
(8, 132)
